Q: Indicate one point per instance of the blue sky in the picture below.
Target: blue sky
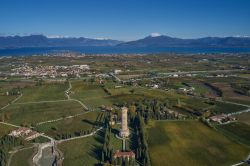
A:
(125, 19)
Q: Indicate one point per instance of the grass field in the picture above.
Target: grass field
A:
(4, 100)
(47, 92)
(85, 122)
(88, 151)
(191, 143)
(90, 94)
(244, 118)
(22, 157)
(28, 114)
(238, 131)
(228, 108)
(5, 129)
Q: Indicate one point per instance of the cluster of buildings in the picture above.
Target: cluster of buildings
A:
(223, 118)
(25, 133)
(50, 71)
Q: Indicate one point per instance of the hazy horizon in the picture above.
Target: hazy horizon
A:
(125, 20)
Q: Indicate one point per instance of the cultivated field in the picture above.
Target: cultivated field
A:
(244, 118)
(5, 129)
(90, 94)
(27, 114)
(230, 95)
(238, 131)
(191, 143)
(47, 92)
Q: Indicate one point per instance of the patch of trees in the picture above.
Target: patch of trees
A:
(39, 82)
(243, 89)
(106, 90)
(6, 144)
(214, 88)
(142, 154)
(154, 109)
(72, 134)
(14, 91)
(107, 152)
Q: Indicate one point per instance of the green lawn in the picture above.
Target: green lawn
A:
(5, 129)
(82, 152)
(90, 94)
(85, 122)
(28, 114)
(238, 131)
(115, 142)
(45, 92)
(22, 157)
(191, 143)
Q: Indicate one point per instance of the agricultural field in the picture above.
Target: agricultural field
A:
(5, 129)
(85, 122)
(238, 131)
(191, 143)
(30, 114)
(131, 94)
(88, 151)
(90, 94)
(46, 92)
(23, 157)
(7, 85)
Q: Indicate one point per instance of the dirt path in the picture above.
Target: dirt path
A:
(67, 93)
(12, 102)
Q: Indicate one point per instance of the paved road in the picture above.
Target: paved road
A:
(167, 74)
(41, 147)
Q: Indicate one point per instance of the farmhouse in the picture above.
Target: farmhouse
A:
(24, 132)
(129, 155)
(222, 118)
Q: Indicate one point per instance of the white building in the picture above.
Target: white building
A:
(124, 130)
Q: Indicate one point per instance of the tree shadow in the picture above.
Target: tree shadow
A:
(96, 150)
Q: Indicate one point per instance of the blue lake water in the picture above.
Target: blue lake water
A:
(119, 50)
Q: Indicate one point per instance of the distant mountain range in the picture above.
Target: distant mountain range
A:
(166, 41)
(149, 41)
(43, 41)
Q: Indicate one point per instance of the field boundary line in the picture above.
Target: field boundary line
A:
(12, 102)
(59, 119)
